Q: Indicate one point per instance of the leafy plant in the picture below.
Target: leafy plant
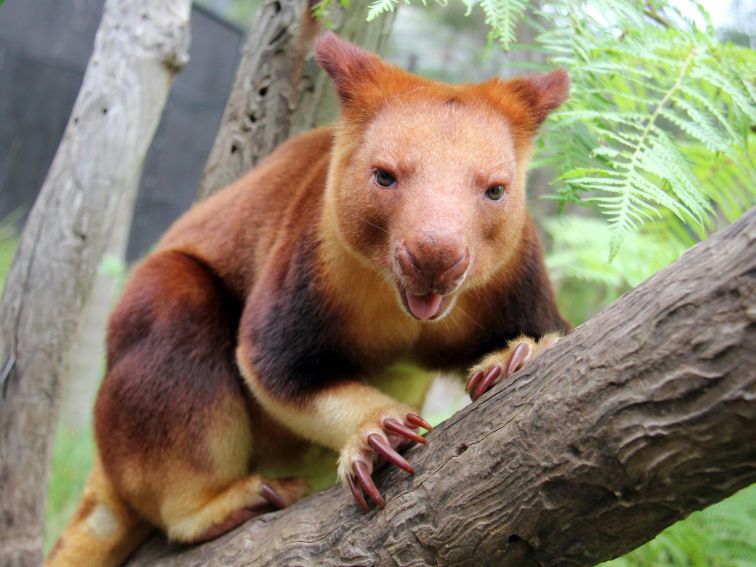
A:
(719, 536)
(8, 244)
(502, 17)
(585, 281)
(641, 93)
(73, 453)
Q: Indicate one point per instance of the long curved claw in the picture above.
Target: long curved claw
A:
(472, 382)
(417, 421)
(271, 495)
(381, 447)
(395, 426)
(520, 354)
(488, 381)
(357, 493)
(362, 471)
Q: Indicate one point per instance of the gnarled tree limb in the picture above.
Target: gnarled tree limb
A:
(637, 418)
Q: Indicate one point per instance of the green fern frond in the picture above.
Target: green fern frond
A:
(378, 7)
(678, 89)
(648, 153)
(503, 16)
(697, 126)
(714, 110)
(742, 100)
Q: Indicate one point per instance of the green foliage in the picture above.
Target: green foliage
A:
(115, 268)
(728, 182)
(502, 17)
(73, 452)
(7, 252)
(378, 7)
(240, 12)
(719, 536)
(585, 281)
(321, 11)
(8, 245)
(642, 94)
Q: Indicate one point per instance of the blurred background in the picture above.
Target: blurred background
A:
(44, 49)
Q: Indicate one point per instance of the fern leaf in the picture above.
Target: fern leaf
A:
(378, 7)
(503, 16)
(708, 105)
(740, 98)
(697, 127)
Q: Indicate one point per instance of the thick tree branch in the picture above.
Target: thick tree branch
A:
(639, 417)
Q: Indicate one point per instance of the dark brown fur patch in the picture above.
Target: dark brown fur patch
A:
(293, 333)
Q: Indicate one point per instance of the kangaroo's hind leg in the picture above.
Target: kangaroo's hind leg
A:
(172, 419)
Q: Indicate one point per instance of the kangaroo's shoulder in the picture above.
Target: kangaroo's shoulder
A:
(234, 230)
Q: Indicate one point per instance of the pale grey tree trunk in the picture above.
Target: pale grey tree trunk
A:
(139, 47)
(279, 91)
(86, 358)
(640, 416)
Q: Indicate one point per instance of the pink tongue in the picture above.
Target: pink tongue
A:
(424, 306)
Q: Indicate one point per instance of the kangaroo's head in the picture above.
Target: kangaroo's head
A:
(427, 180)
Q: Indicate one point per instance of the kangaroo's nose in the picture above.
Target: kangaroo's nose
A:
(433, 263)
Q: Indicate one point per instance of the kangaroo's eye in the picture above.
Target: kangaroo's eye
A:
(384, 178)
(495, 193)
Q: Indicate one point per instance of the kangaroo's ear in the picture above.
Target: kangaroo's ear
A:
(541, 93)
(354, 71)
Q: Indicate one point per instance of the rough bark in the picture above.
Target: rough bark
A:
(139, 47)
(85, 362)
(278, 91)
(637, 418)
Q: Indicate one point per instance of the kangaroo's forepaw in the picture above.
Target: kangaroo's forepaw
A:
(503, 363)
(375, 443)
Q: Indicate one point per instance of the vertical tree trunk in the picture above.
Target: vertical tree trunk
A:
(139, 47)
(278, 92)
(85, 362)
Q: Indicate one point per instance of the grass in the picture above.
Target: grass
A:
(723, 535)
(8, 245)
(72, 458)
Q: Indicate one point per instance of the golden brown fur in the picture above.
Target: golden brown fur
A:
(254, 343)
